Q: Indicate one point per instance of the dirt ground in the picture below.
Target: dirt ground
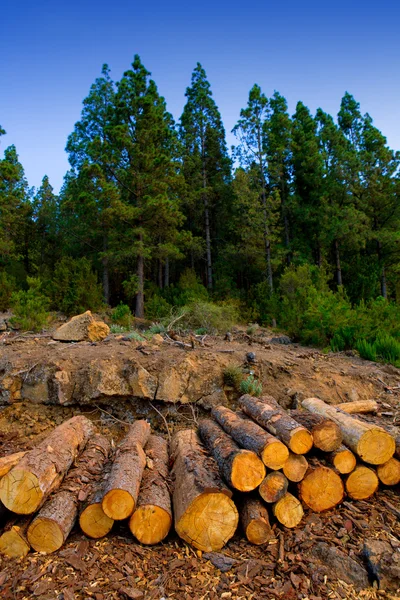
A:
(289, 567)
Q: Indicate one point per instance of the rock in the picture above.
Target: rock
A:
(143, 385)
(383, 563)
(82, 327)
(220, 561)
(340, 566)
(157, 339)
(3, 325)
(251, 357)
(282, 339)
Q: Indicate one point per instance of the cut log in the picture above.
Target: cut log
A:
(342, 459)
(389, 473)
(241, 469)
(204, 513)
(321, 489)
(359, 406)
(9, 461)
(372, 443)
(4, 514)
(362, 483)
(13, 541)
(326, 433)
(295, 467)
(251, 436)
(274, 487)
(152, 519)
(123, 485)
(25, 488)
(92, 519)
(255, 521)
(288, 511)
(51, 527)
(267, 413)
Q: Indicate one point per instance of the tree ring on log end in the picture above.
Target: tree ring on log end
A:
(20, 492)
(94, 522)
(45, 535)
(376, 447)
(321, 489)
(389, 472)
(275, 455)
(288, 511)
(209, 521)
(258, 532)
(248, 471)
(118, 504)
(150, 524)
(362, 483)
(301, 441)
(13, 545)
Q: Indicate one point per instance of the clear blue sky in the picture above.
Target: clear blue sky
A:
(312, 51)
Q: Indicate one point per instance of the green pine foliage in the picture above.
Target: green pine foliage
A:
(74, 287)
(30, 307)
(251, 386)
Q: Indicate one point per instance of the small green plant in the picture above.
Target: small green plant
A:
(117, 328)
(252, 329)
(233, 377)
(251, 386)
(387, 348)
(366, 350)
(30, 307)
(121, 315)
(135, 335)
(156, 328)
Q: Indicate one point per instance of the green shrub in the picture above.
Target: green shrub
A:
(157, 308)
(74, 288)
(233, 377)
(189, 289)
(211, 318)
(7, 287)
(251, 386)
(121, 315)
(117, 328)
(156, 328)
(387, 348)
(30, 307)
(366, 350)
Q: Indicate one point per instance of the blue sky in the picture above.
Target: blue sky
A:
(311, 51)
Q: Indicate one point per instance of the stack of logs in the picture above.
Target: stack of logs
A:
(237, 463)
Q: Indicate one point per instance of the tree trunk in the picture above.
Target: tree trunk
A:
(321, 489)
(274, 487)
(206, 218)
(389, 473)
(10, 461)
(267, 413)
(342, 459)
(205, 515)
(122, 489)
(13, 541)
(338, 265)
(326, 433)
(255, 521)
(359, 406)
(139, 308)
(166, 272)
(267, 241)
(295, 467)
(51, 527)
(25, 488)
(152, 519)
(361, 483)
(106, 273)
(241, 469)
(160, 274)
(288, 511)
(251, 436)
(383, 272)
(370, 442)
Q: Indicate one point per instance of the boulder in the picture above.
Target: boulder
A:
(82, 327)
(383, 562)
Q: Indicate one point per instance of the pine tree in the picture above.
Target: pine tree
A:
(45, 247)
(206, 165)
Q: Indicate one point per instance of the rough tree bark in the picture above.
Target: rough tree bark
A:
(274, 487)
(254, 519)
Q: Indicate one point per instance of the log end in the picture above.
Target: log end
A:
(94, 522)
(327, 437)
(45, 535)
(362, 483)
(376, 446)
(389, 472)
(13, 545)
(258, 532)
(209, 522)
(248, 471)
(295, 467)
(345, 462)
(301, 441)
(288, 511)
(20, 492)
(150, 524)
(321, 489)
(273, 487)
(275, 455)
(118, 504)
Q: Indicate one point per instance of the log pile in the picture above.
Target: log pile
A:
(260, 463)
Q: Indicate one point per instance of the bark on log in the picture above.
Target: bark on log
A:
(288, 511)
(92, 519)
(267, 413)
(389, 473)
(251, 436)
(51, 527)
(241, 469)
(4, 514)
(372, 443)
(25, 488)
(342, 459)
(274, 487)
(123, 485)
(362, 483)
(13, 541)
(10, 461)
(152, 519)
(255, 521)
(321, 489)
(204, 513)
(359, 406)
(295, 467)
(326, 433)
